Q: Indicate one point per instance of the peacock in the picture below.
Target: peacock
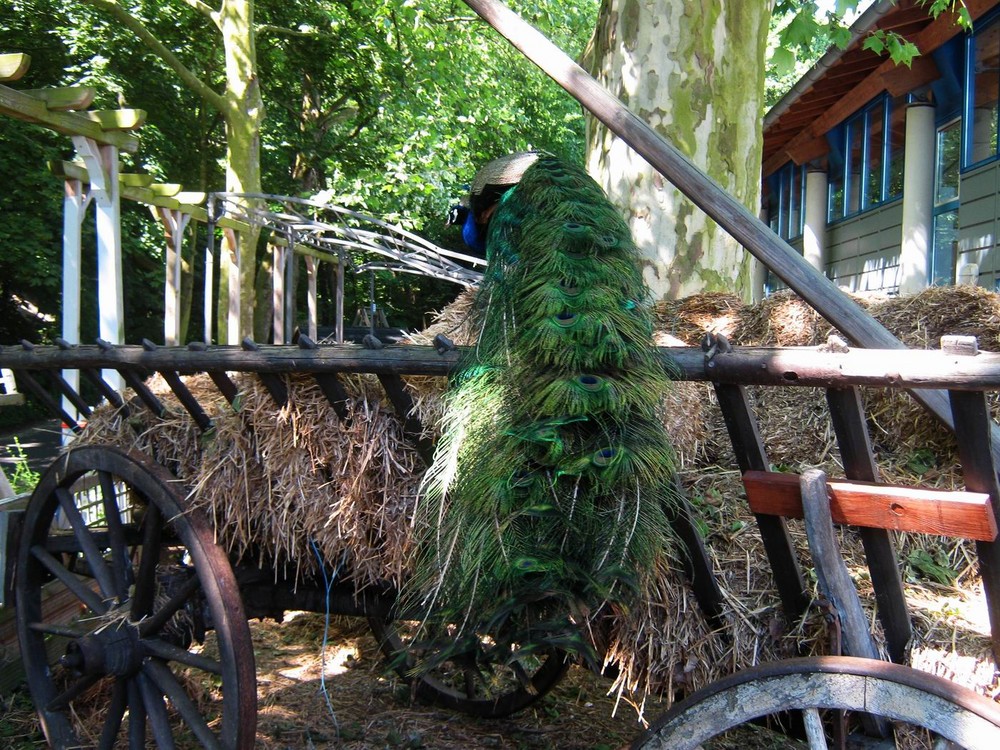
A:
(548, 499)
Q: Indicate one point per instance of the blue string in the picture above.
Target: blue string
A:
(328, 582)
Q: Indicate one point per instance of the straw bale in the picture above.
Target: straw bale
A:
(690, 318)
(451, 321)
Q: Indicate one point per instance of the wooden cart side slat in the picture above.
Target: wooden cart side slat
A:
(942, 512)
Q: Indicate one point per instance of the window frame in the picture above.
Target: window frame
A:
(878, 109)
(987, 24)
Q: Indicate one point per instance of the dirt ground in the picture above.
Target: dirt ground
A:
(369, 708)
(361, 704)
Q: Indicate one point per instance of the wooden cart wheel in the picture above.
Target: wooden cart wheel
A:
(874, 687)
(128, 614)
(471, 684)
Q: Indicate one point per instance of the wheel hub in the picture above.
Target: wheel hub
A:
(114, 650)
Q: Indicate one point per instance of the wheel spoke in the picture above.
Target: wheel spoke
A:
(814, 729)
(156, 710)
(170, 652)
(71, 693)
(136, 717)
(161, 617)
(82, 592)
(51, 629)
(145, 584)
(113, 721)
(95, 559)
(522, 675)
(165, 680)
(120, 567)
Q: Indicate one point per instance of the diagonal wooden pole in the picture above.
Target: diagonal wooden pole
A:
(783, 260)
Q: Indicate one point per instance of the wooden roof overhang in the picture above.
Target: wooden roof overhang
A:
(843, 81)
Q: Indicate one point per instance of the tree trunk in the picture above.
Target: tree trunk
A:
(695, 73)
(244, 113)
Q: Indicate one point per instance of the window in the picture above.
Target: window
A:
(946, 187)
(984, 91)
(783, 196)
(866, 159)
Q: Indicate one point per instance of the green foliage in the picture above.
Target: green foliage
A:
(381, 106)
(23, 479)
(931, 564)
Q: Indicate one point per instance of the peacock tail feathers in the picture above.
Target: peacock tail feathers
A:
(554, 478)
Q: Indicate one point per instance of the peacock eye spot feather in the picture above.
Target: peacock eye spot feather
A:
(590, 382)
(603, 457)
(569, 289)
(566, 319)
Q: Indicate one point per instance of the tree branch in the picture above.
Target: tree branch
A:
(193, 82)
(205, 10)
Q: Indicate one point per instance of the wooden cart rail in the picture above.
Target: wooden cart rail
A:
(782, 366)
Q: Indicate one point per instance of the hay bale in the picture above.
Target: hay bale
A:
(920, 320)
(690, 318)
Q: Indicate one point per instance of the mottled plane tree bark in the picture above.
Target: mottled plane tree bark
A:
(695, 72)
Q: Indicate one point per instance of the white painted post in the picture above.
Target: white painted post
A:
(76, 198)
(291, 271)
(102, 167)
(174, 225)
(233, 319)
(814, 231)
(918, 198)
(312, 269)
(278, 259)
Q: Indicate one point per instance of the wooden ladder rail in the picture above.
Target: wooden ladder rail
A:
(751, 456)
(849, 424)
(973, 427)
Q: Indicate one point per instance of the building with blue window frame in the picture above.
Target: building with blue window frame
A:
(887, 177)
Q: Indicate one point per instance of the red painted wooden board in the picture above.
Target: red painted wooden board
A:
(956, 514)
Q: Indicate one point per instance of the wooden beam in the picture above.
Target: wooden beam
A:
(954, 514)
(117, 119)
(65, 98)
(133, 179)
(13, 65)
(167, 190)
(31, 109)
(810, 150)
(903, 79)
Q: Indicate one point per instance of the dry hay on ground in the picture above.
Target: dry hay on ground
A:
(278, 478)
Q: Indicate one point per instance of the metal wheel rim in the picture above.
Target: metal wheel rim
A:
(831, 682)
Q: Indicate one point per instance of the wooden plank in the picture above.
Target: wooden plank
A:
(832, 575)
(967, 515)
(13, 65)
(117, 119)
(64, 98)
(834, 580)
(132, 179)
(22, 106)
